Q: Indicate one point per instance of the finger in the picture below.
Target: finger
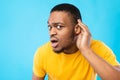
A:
(83, 26)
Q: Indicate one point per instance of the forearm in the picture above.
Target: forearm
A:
(104, 70)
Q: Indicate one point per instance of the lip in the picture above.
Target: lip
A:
(54, 45)
(54, 42)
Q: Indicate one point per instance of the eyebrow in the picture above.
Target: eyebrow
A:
(56, 23)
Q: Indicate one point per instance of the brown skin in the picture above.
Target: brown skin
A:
(64, 30)
(34, 77)
(72, 37)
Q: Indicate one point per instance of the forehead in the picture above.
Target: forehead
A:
(59, 17)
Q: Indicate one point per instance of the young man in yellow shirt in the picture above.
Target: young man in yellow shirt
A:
(72, 54)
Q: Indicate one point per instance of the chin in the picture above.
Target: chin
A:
(57, 50)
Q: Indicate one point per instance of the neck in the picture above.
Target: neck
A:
(71, 50)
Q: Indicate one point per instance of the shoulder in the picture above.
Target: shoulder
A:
(97, 44)
(104, 51)
(100, 48)
(43, 50)
(45, 47)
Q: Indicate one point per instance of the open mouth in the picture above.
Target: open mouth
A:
(54, 42)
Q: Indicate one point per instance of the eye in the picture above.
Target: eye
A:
(59, 27)
(49, 27)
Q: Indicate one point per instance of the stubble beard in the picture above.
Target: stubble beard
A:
(68, 47)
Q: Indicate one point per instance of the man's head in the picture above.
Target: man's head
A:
(73, 10)
(63, 27)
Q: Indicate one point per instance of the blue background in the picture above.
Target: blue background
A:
(23, 28)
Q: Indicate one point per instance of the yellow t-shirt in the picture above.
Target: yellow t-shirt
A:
(60, 66)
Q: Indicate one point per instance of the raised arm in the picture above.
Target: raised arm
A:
(103, 68)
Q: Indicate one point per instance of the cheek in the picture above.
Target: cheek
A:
(67, 38)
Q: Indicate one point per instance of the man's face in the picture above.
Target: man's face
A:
(61, 30)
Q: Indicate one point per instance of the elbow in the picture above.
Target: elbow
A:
(117, 74)
(114, 75)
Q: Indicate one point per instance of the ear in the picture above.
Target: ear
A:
(77, 29)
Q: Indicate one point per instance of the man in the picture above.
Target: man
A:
(71, 54)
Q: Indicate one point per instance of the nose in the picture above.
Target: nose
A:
(53, 31)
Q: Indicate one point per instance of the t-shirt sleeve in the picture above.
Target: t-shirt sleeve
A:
(111, 58)
(106, 53)
(38, 68)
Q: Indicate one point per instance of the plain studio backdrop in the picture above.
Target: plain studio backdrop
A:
(23, 28)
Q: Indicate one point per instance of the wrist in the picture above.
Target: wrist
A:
(85, 50)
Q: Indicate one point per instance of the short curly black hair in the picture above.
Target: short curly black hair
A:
(73, 10)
